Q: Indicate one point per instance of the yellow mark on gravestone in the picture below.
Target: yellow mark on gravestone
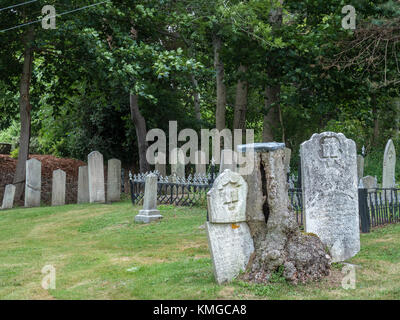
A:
(235, 226)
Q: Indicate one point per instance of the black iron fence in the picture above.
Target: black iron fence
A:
(296, 200)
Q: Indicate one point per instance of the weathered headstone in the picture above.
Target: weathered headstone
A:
(369, 182)
(228, 160)
(389, 165)
(8, 198)
(114, 180)
(177, 164)
(288, 153)
(58, 188)
(149, 212)
(330, 194)
(96, 177)
(200, 157)
(33, 183)
(276, 235)
(83, 185)
(229, 236)
(360, 167)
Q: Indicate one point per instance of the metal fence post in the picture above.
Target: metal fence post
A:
(363, 210)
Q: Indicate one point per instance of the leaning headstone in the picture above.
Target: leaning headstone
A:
(58, 188)
(360, 167)
(389, 164)
(369, 182)
(114, 180)
(229, 236)
(228, 160)
(330, 194)
(8, 198)
(177, 164)
(96, 177)
(33, 183)
(83, 185)
(149, 212)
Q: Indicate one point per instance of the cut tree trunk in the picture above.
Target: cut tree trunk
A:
(279, 244)
(141, 131)
(221, 89)
(25, 115)
(239, 121)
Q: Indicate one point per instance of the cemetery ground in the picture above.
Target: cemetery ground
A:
(100, 253)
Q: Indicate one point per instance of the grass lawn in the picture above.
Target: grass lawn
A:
(100, 253)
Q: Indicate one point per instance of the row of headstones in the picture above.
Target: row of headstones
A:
(90, 183)
(388, 173)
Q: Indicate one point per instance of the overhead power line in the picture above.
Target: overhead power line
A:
(57, 15)
(17, 5)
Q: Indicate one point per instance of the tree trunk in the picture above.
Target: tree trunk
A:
(141, 131)
(239, 121)
(221, 89)
(196, 97)
(25, 115)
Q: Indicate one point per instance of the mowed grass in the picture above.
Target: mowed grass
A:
(100, 253)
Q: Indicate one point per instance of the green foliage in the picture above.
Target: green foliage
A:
(14, 153)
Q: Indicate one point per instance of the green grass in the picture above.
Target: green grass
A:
(100, 253)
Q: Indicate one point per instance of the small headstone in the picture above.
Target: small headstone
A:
(200, 162)
(369, 182)
(33, 183)
(58, 188)
(228, 161)
(360, 167)
(389, 165)
(330, 194)
(8, 199)
(177, 164)
(229, 238)
(83, 185)
(114, 180)
(149, 212)
(96, 177)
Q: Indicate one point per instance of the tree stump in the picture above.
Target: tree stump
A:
(278, 241)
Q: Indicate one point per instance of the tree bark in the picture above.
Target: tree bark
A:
(239, 121)
(196, 97)
(221, 89)
(25, 114)
(141, 131)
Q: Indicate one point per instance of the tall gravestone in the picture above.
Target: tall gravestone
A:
(330, 194)
(229, 236)
(360, 167)
(8, 198)
(83, 185)
(177, 164)
(96, 177)
(149, 212)
(114, 180)
(58, 188)
(389, 165)
(33, 183)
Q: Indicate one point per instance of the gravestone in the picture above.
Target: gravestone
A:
(8, 198)
(160, 165)
(228, 160)
(114, 180)
(288, 153)
(277, 238)
(83, 185)
(33, 183)
(200, 157)
(330, 194)
(58, 188)
(149, 212)
(96, 177)
(360, 167)
(177, 164)
(389, 165)
(369, 182)
(229, 238)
